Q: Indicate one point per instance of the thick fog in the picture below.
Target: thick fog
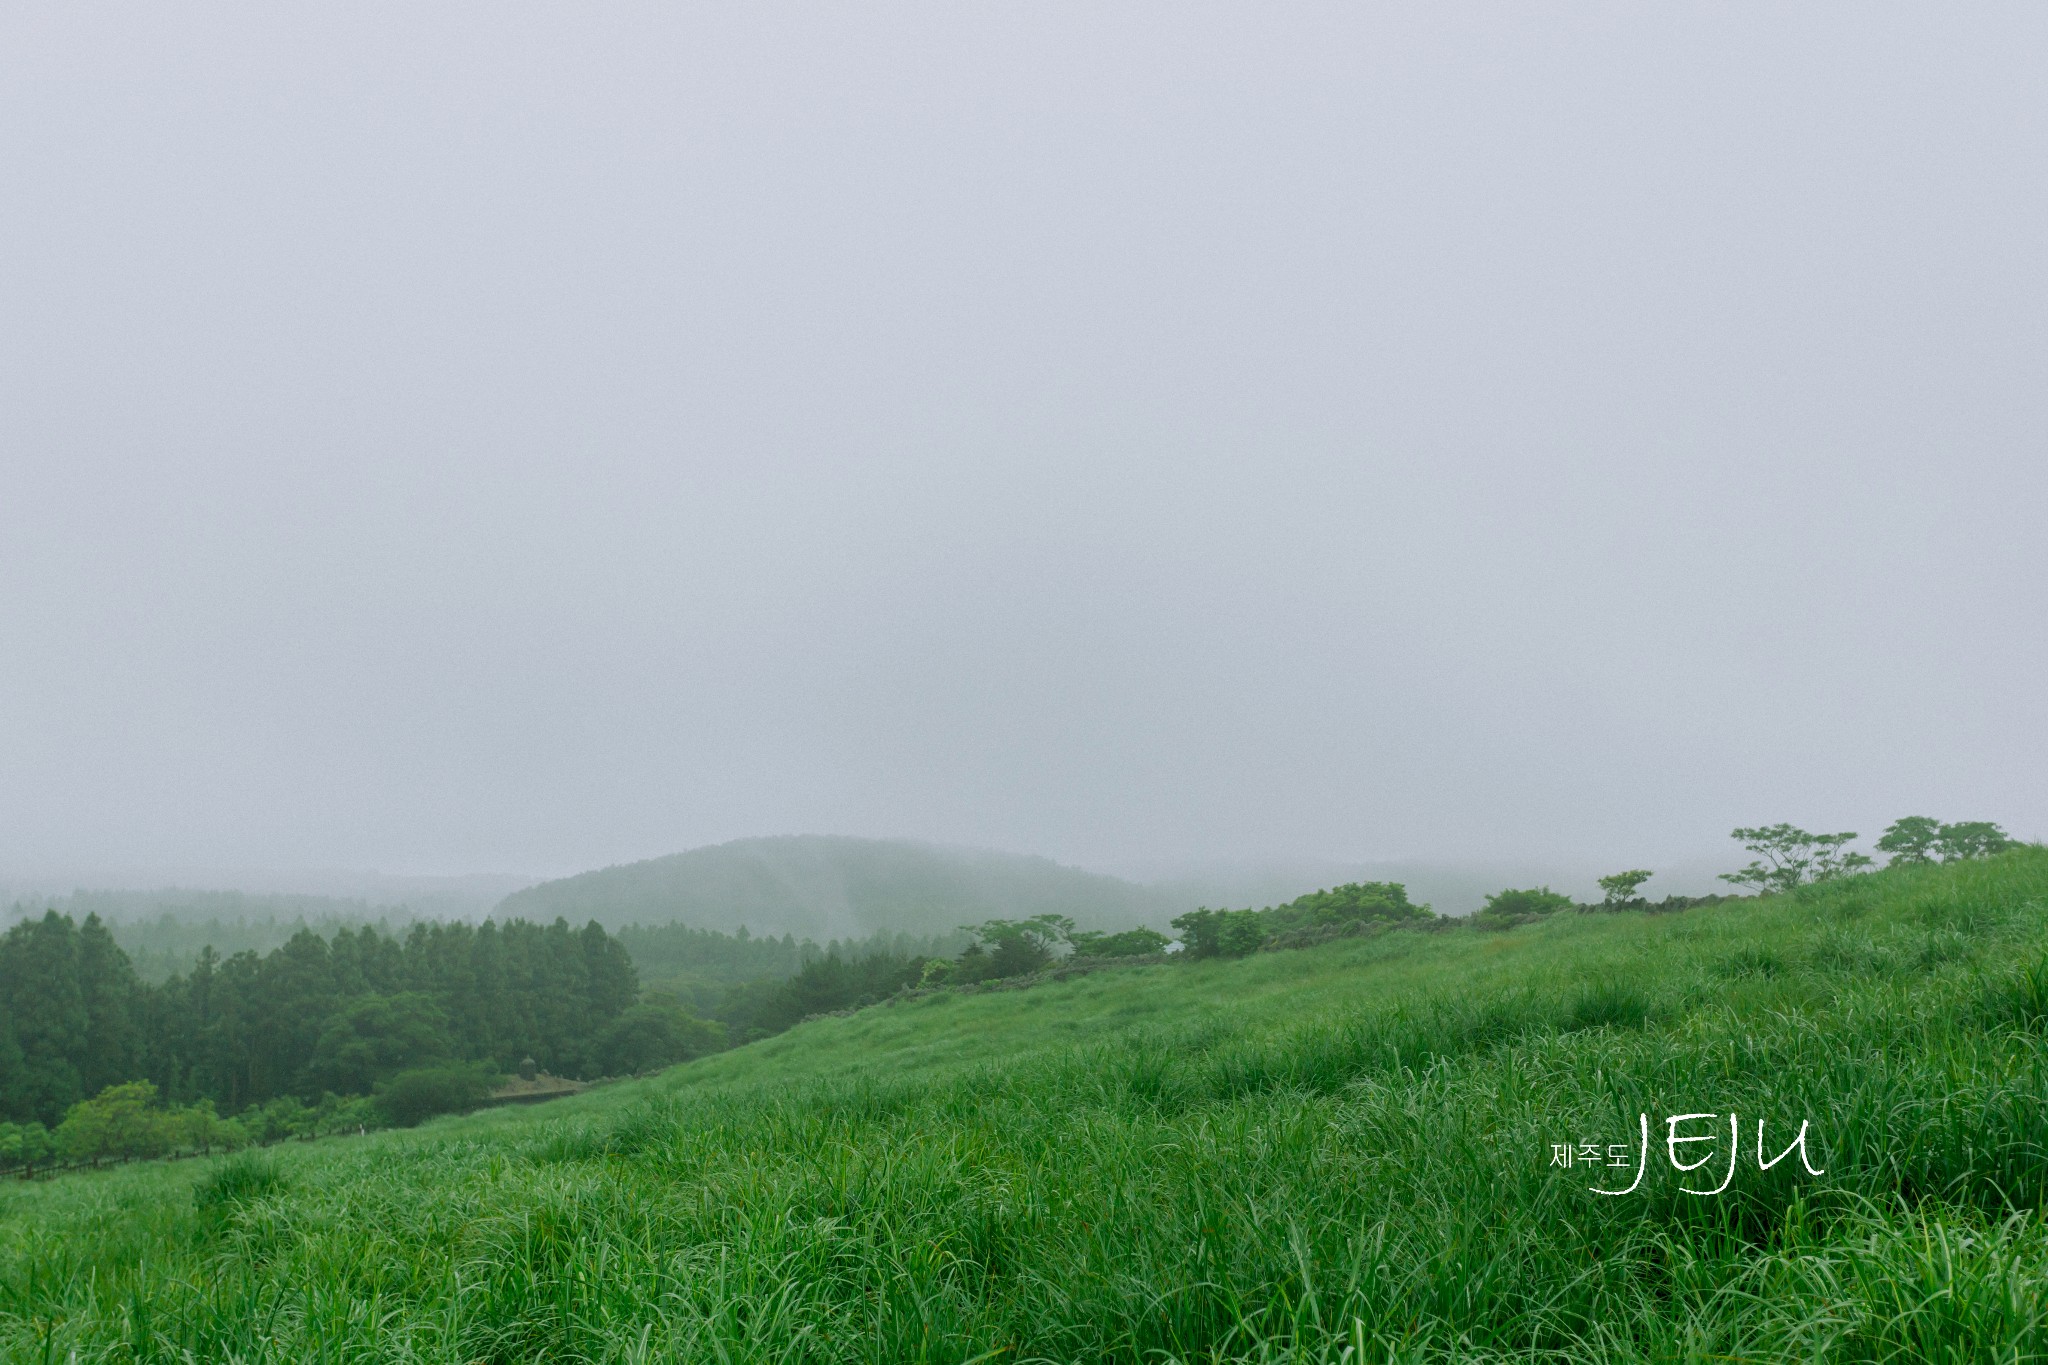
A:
(523, 438)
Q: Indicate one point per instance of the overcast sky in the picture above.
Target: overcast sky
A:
(442, 438)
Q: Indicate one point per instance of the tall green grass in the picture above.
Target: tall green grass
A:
(1340, 1154)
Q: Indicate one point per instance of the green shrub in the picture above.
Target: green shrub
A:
(414, 1096)
(1352, 903)
(1130, 943)
(652, 1035)
(1506, 909)
(1239, 933)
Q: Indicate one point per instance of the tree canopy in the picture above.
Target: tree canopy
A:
(313, 1016)
(1791, 857)
(1347, 908)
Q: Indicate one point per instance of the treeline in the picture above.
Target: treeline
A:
(164, 931)
(1787, 858)
(1313, 918)
(851, 976)
(1008, 950)
(284, 1038)
(317, 1016)
(824, 984)
(1506, 909)
(169, 944)
(128, 1122)
(726, 976)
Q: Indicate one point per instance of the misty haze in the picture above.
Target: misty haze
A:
(1047, 683)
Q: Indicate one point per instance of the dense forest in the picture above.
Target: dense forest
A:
(352, 1012)
(168, 946)
(362, 1011)
(317, 1015)
(163, 931)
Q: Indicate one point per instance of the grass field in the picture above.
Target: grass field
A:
(1335, 1154)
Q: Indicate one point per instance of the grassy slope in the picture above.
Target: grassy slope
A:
(1306, 1153)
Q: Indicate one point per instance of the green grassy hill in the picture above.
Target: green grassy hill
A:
(1334, 1154)
(823, 887)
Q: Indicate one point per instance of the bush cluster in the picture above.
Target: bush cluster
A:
(1320, 914)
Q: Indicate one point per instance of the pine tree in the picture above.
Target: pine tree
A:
(39, 987)
(107, 987)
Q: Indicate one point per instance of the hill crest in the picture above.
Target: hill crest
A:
(837, 886)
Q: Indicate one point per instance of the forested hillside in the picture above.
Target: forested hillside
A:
(317, 1015)
(822, 887)
(163, 931)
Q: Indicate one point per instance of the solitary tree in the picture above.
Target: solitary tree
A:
(1620, 889)
(1019, 947)
(1791, 857)
(1910, 840)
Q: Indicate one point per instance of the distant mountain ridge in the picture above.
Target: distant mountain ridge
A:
(831, 886)
(231, 894)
